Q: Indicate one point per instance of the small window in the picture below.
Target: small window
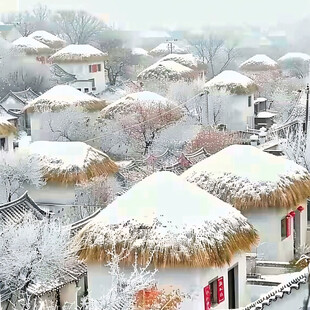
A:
(86, 90)
(89, 68)
(249, 101)
(99, 67)
(2, 143)
(213, 292)
(79, 89)
(286, 227)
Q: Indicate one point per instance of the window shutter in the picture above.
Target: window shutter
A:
(94, 68)
(220, 290)
(288, 225)
(207, 297)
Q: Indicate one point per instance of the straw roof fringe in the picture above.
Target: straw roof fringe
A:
(191, 251)
(6, 128)
(154, 221)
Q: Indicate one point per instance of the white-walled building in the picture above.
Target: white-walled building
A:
(195, 240)
(295, 64)
(269, 190)
(230, 101)
(65, 164)
(56, 99)
(86, 63)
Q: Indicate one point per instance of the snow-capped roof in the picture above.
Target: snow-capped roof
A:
(265, 114)
(165, 49)
(294, 57)
(138, 51)
(259, 62)
(248, 177)
(166, 70)
(30, 46)
(78, 53)
(48, 39)
(260, 99)
(6, 127)
(232, 82)
(62, 96)
(71, 162)
(146, 98)
(187, 60)
(176, 220)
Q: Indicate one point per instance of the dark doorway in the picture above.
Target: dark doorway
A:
(233, 287)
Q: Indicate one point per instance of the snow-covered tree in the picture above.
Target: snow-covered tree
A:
(31, 251)
(15, 172)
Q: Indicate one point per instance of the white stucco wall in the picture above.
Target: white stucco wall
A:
(81, 71)
(188, 280)
(268, 224)
(8, 142)
(234, 110)
(68, 296)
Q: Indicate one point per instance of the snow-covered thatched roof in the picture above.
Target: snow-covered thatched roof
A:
(248, 178)
(71, 162)
(259, 62)
(30, 46)
(165, 49)
(166, 70)
(48, 39)
(62, 96)
(294, 57)
(78, 53)
(231, 82)
(126, 103)
(187, 60)
(169, 221)
(6, 127)
(138, 51)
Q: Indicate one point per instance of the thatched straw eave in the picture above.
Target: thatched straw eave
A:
(234, 89)
(144, 223)
(197, 254)
(7, 128)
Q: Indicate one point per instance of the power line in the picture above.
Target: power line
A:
(150, 119)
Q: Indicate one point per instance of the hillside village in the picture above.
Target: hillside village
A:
(152, 170)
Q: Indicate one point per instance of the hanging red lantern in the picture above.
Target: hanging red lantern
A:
(292, 213)
(300, 208)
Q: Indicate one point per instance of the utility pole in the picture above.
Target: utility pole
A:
(170, 45)
(307, 109)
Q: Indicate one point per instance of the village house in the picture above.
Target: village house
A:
(230, 101)
(270, 191)
(295, 64)
(259, 63)
(9, 32)
(52, 41)
(86, 63)
(64, 165)
(15, 102)
(43, 109)
(31, 50)
(7, 133)
(198, 250)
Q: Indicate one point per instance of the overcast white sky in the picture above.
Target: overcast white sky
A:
(143, 14)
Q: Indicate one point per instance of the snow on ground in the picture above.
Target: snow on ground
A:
(259, 61)
(294, 56)
(229, 77)
(187, 60)
(77, 52)
(65, 156)
(138, 51)
(46, 38)
(23, 139)
(29, 45)
(244, 170)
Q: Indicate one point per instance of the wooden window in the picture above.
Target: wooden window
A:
(79, 89)
(2, 143)
(249, 101)
(213, 292)
(86, 90)
(286, 224)
(99, 67)
(283, 228)
(94, 68)
(89, 68)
